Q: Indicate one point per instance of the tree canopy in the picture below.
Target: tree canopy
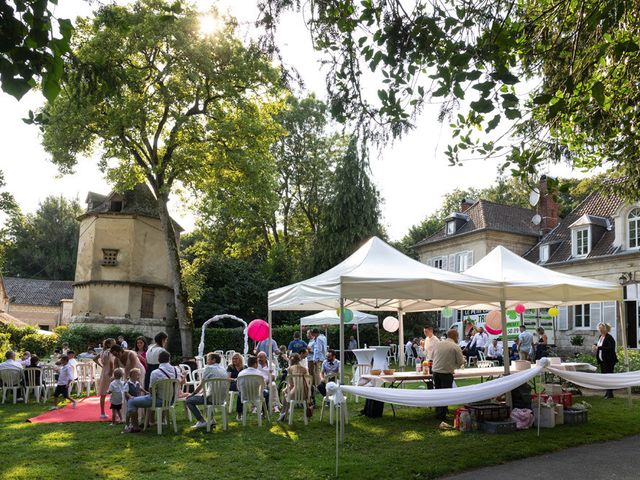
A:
(554, 80)
(166, 105)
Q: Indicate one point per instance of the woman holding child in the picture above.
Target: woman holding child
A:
(128, 360)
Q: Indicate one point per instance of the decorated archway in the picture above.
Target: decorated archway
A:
(222, 317)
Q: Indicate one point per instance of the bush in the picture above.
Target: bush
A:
(577, 340)
(38, 344)
(16, 334)
(4, 345)
(82, 337)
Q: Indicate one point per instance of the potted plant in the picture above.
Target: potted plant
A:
(577, 341)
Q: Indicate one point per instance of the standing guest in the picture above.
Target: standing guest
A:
(237, 365)
(268, 373)
(26, 359)
(289, 392)
(318, 355)
(297, 344)
(542, 348)
(153, 354)
(117, 389)
(134, 389)
(122, 342)
(11, 362)
(213, 369)
(73, 362)
(263, 346)
(447, 356)
(105, 361)
(127, 359)
(430, 342)
(525, 343)
(329, 372)
(164, 371)
(65, 348)
(494, 351)
(353, 344)
(141, 350)
(605, 351)
(65, 377)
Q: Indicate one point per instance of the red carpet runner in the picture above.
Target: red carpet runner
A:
(88, 410)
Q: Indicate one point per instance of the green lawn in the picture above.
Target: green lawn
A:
(407, 446)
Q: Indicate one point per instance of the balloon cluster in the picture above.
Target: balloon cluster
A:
(346, 314)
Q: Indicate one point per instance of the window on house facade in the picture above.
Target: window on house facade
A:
(146, 306)
(580, 244)
(463, 261)
(544, 253)
(582, 316)
(438, 262)
(116, 206)
(634, 228)
(109, 257)
(451, 227)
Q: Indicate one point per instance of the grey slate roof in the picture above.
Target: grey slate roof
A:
(595, 205)
(486, 215)
(29, 291)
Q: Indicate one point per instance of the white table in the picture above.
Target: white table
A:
(380, 357)
(364, 355)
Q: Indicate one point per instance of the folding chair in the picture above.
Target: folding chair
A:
(215, 392)
(164, 394)
(251, 392)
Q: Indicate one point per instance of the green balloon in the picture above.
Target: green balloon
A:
(446, 312)
(512, 314)
(348, 315)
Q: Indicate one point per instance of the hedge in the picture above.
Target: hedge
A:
(23, 339)
(81, 338)
(4, 345)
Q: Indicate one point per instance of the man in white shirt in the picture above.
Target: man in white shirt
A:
(269, 375)
(494, 351)
(430, 342)
(252, 369)
(164, 371)
(122, 342)
(73, 362)
(213, 369)
(26, 359)
(11, 363)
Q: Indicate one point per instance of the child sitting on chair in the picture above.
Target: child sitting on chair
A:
(117, 389)
(134, 389)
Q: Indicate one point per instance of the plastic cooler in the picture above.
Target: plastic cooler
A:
(486, 412)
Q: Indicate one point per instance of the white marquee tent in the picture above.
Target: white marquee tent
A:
(331, 317)
(378, 277)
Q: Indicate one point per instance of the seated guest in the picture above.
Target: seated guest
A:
(10, 362)
(37, 377)
(252, 369)
(91, 353)
(283, 365)
(164, 371)
(330, 372)
(268, 373)
(513, 353)
(213, 369)
(289, 392)
(26, 359)
(237, 365)
(494, 351)
(134, 389)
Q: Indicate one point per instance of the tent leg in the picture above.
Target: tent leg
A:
(623, 327)
(505, 346)
(378, 328)
(358, 334)
(341, 341)
(401, 340)
(269, 352)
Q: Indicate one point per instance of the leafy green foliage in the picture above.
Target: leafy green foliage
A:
(43, 244)
(5, 344)
(7, 202)
(559, 76)
(29, 49)
(80, 338)
(22, 339)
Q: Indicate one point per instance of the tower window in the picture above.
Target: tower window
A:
(115, 206)
(146, 306)
(109, 257)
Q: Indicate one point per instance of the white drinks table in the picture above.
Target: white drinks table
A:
(364, 355)
(380, 357)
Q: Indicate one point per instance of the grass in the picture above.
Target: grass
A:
(407, 446)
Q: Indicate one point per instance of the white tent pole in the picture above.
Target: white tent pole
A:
(269, 352)
(358, 334)
(341, 341)
(505, 347)
(378, 327)
(539, 402)
(401, 339)
(623, 327)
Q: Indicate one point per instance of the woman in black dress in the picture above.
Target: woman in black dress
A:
(237, 365)
(605, 350)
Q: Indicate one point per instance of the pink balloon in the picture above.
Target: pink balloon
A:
(520, 308)
(258, 330)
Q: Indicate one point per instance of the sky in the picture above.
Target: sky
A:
(412, 173)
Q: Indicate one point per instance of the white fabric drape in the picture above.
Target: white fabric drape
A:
(448, 396)
(599, 381)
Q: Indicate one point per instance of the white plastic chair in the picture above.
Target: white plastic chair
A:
(359, 370)
(409, 354)
(229, 355)
(484, 364)
(193, 379)
(10, 379)
(215, 392)
(301, 393)
(251, 388)
(330, 400)
(84, 379)
(33, 382)
(164, 394)
(48, 377)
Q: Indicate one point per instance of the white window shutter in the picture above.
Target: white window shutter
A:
(452, 263)
(445, 263)
(609, 315)
(595, 315)
(469, 262)
(429, 262)
(563, 318)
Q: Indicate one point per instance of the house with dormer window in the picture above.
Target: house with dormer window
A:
(599, 239)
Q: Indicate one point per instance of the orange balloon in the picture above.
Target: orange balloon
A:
(493, 323)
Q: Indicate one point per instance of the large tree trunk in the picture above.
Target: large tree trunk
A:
(185, 323)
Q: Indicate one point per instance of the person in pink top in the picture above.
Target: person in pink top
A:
(105, 361)
(141, 350)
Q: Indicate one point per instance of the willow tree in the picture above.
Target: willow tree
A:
(166, 105)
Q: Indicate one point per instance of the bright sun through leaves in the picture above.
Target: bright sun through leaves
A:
(209, 24)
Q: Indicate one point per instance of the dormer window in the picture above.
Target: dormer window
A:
(451, 227)
(580, 243)
(633, 221)
(544, 253)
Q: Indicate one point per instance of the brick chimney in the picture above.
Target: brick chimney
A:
(547, 208)
(465, 204)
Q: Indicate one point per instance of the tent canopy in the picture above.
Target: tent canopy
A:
(524, 282)
(378, 277)
(330, 317)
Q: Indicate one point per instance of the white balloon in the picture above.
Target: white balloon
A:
(390, 324)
